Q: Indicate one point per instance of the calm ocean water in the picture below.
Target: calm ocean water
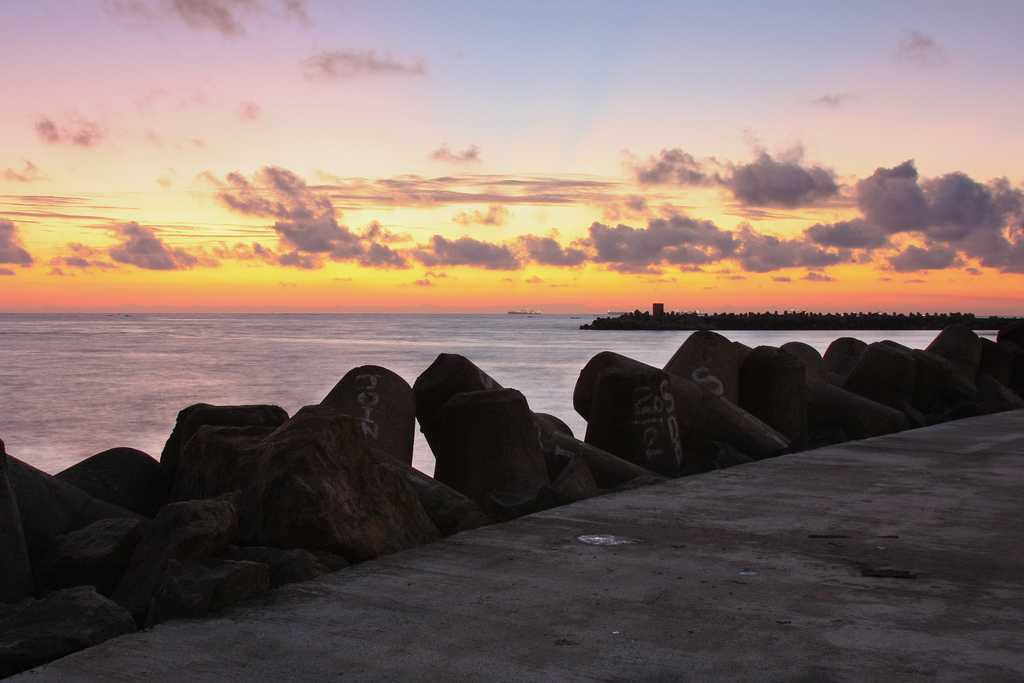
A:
(74, 385)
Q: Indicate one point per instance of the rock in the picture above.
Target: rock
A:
(958, 344)
(195, 416)
(320, 486)
(996, 361)
(836, 415)
(96, 555)
(315, 483)
(219, 460)
(448, 375)
(386, 403)
(773, 388)
(842, 356)
(940, 390)
(195, 589)
(16, 581)
(809, 357)
(710, 360)
(721, 420)
(1012, 333)
(50, 507)
(717, 455)
(886, 373)
(550, 423)
(609, 471)
(641, 414)
(182, 532)
(994, 397)
(488, 449)
(121, 476)
(39, 631)
(586, 383)
(449, 510)
(286, 566)
(573, 481)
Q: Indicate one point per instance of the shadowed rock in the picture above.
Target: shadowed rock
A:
(182, 532)
(586, 383)
(286, 566)
(941, 392)
(449, 510)
(721, 420)
(488, 450)
(573, 481)
(959, 345)
(39, 631)
(710, 360)
(16, 581)
(996, 361)
(640, 413)
(886, 373)
(96, 555)
(219, 460)
(50, 507)
(773, 388)
(609, 471)
(448, 375)
(386, 403)
(320, 486)
(124, 477)
(994, 397)
(809, 357)
(195, 589)
(842, 356)
(836, 415)
(203, 414)
(1012, 333)
(550, 423)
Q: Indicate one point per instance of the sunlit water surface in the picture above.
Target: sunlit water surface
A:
(74, 385)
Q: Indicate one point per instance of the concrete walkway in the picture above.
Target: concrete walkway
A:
(897, 558)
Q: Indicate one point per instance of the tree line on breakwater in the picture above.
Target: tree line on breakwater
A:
(795, 320)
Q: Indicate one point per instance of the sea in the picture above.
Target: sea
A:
(74, 385)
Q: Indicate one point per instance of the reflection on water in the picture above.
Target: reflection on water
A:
(75, 385)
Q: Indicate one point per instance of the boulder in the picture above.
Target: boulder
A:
(642, 414)
(773, 388)
(842, 356)
(721, 420)
(16, 581)
(218, 460)
(710, 360)
(1012, 333)
(35, 632)
(717, 455)
(586, 383)
(449, 510)
(122, 476)
(572, 481)
(488, 449)
(550, 423)
(809, 357)
(996, 361)
(195, 589)
(941, 392)
(293, 565)
(319, 485)
(448, 375)
(96, 555)
(886, 373)
(836, 415)
(183, 531)
(995, 397)
(959, 345)
(50, 507)
(195, 416)
(609, 471)
(386, 403)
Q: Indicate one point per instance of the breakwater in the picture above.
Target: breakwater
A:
(794, 320)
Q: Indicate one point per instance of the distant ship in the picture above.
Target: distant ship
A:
(529, 312)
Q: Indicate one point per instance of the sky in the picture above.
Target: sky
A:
(298, 155)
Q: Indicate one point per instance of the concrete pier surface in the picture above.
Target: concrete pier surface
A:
(895, 558)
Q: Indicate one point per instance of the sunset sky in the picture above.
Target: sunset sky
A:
(298, 155)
